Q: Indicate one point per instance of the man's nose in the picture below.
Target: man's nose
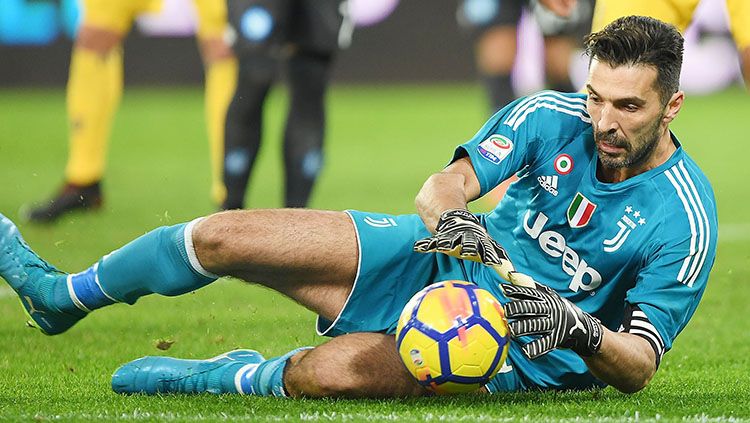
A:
(607, 121)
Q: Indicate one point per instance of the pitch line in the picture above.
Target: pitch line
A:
(734, 232)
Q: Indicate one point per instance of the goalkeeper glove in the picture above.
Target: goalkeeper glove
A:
(561, 324)
(459, 234)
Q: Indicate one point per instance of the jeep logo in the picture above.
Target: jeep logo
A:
(552, 243)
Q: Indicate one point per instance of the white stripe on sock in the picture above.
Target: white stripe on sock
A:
(190, 248)
(246, 369)
(73, 296)
(96, 279)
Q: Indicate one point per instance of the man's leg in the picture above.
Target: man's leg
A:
(158, 374)
(305, 125)
(39, 285)
(93, 93)
(221, 80)
(357, 365)
(244, 124)
(557, 53)
(495, 54)
(310, 256)
(353, 365)
(261, 29)
(492, 24)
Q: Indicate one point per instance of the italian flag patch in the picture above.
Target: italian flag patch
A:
(580, 211)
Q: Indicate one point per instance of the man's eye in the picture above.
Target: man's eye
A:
(631, 108)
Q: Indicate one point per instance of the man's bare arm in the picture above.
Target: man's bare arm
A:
(625, 361)
(452, 188)
(457, 232)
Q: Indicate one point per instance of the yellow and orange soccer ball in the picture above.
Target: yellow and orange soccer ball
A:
(453, 337)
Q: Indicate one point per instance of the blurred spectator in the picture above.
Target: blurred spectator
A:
(680, 13)
(303, 35)
(493, 25)
(95, 86)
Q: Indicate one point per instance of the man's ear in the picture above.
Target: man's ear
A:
(673, 106)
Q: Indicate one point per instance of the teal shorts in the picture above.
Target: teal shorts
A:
(390, 273)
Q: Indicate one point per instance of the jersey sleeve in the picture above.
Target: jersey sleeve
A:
(521, 133)
(676, 270)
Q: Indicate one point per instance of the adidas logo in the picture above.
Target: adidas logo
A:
(549, 183)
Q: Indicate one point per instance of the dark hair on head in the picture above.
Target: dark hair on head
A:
(641, 40)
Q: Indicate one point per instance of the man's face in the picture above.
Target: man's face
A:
(626, 113)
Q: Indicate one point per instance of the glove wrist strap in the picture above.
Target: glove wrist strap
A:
(594, 342)
(460, 213)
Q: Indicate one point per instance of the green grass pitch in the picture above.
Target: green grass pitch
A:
(383, 141)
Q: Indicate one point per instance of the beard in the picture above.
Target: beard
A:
(636, 152)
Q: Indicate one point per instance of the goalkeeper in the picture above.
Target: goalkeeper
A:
(611, 222)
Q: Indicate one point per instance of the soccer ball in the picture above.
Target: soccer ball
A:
(453, 337)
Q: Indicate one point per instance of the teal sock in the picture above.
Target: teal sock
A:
(84, 291)
(61, 300)
(265, 379)
(228, 379)
(162, 261)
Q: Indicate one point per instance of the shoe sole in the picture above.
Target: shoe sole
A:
(30, 322)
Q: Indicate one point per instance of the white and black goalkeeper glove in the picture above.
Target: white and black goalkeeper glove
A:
(459, 234)
(560, 323)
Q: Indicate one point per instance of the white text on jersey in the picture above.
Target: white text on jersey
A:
(554, 245)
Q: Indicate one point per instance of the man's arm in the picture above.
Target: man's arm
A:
(625, 361)
(452, 188)
(441, 204)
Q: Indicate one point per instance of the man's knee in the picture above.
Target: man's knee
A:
(213, 238)
(99, 40)
(357, 365)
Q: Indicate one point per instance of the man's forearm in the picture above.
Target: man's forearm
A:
(625, 361)
(441, 191)
(452, 188)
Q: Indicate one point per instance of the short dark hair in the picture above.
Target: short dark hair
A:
(641, 40)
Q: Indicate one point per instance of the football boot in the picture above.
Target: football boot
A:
(33, 279)
(70, 197)
(154, 374)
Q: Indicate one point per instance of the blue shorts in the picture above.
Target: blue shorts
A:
(390, 273)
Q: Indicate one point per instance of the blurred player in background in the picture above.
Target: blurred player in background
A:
(95, 86)
(680, 13)
(304, 35)
(493, 24)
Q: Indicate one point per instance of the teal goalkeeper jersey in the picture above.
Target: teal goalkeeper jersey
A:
(635, 254)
